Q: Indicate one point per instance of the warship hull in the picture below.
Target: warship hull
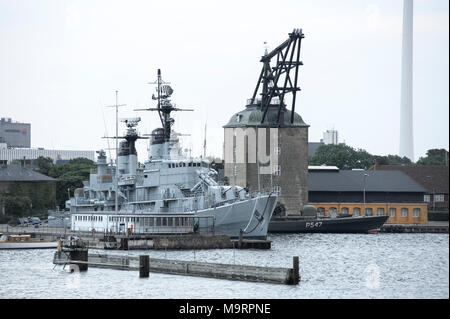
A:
(251, 216)
(361, 224)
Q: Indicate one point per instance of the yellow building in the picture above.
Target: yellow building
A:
(361, 192)
(400, 213)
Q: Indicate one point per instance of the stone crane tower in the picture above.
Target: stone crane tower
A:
(266, 144)
(406, 100)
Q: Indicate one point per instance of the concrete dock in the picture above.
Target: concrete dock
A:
(274, 275)
(133, 242)
(431, 227)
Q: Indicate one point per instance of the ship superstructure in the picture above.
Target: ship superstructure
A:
(171, 193)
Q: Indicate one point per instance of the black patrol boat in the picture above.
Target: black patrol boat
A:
(310, 222)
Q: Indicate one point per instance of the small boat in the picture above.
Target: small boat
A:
(309, 222)
(24, 242)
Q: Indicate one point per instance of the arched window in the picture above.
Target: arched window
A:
(356, 211)
(321, 211)
(392, 212)
(332, 211)
(380, 211)
(404, 212)
(416, 212)
(368, 211)
(344, 210)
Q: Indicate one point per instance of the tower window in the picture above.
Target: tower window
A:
(277, 190)
(277, 170)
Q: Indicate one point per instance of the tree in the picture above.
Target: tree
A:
(44, 164)
(27, 198)
(434, 156)
(70, 175)
(17, 205)
(392, 160)
(346, 157)
(342, 156)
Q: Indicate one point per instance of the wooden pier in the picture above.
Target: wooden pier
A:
(431, 227)
(145, 264)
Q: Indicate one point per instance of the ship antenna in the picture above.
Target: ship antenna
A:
(116, 181)
(164, 106)
(204, 143)
(106, 134)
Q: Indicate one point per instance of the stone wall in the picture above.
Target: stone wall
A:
(292, 158)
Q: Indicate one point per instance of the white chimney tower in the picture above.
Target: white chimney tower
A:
(406, 100)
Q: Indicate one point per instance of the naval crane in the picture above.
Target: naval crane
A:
(281, 79)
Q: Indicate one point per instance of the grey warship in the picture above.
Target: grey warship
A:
(171, 194)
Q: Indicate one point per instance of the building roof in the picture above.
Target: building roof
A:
(18, 173)
(253, 114)
(433, 177)
(353, 181)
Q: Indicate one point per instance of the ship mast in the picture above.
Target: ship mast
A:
(164, 106)
(116, 180)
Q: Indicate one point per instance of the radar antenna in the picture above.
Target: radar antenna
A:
(164, 106)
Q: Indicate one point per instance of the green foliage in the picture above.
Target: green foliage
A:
(342, 156)
(70, 176)
(17, 205)
(29, 198)
(346, 157)
(392, 160)
(44, 164)
(434, 157)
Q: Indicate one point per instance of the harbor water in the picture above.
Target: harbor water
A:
(331, 266)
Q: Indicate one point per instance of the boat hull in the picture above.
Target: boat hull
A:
(362, 224)
(252, 216)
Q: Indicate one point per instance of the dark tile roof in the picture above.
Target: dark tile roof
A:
(433, 177)
(16, 173)
(353, 181)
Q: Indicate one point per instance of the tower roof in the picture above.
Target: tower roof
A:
(252, 116)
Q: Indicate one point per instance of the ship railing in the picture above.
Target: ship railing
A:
(145, 198)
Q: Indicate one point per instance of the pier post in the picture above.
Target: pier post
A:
(240, 238)
(124, 243)
(296, 270)
(80, 255)
(144, 266)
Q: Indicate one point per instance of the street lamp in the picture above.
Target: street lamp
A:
(364, 193)
(432, 191)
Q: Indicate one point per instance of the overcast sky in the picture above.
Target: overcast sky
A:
(61, 62)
